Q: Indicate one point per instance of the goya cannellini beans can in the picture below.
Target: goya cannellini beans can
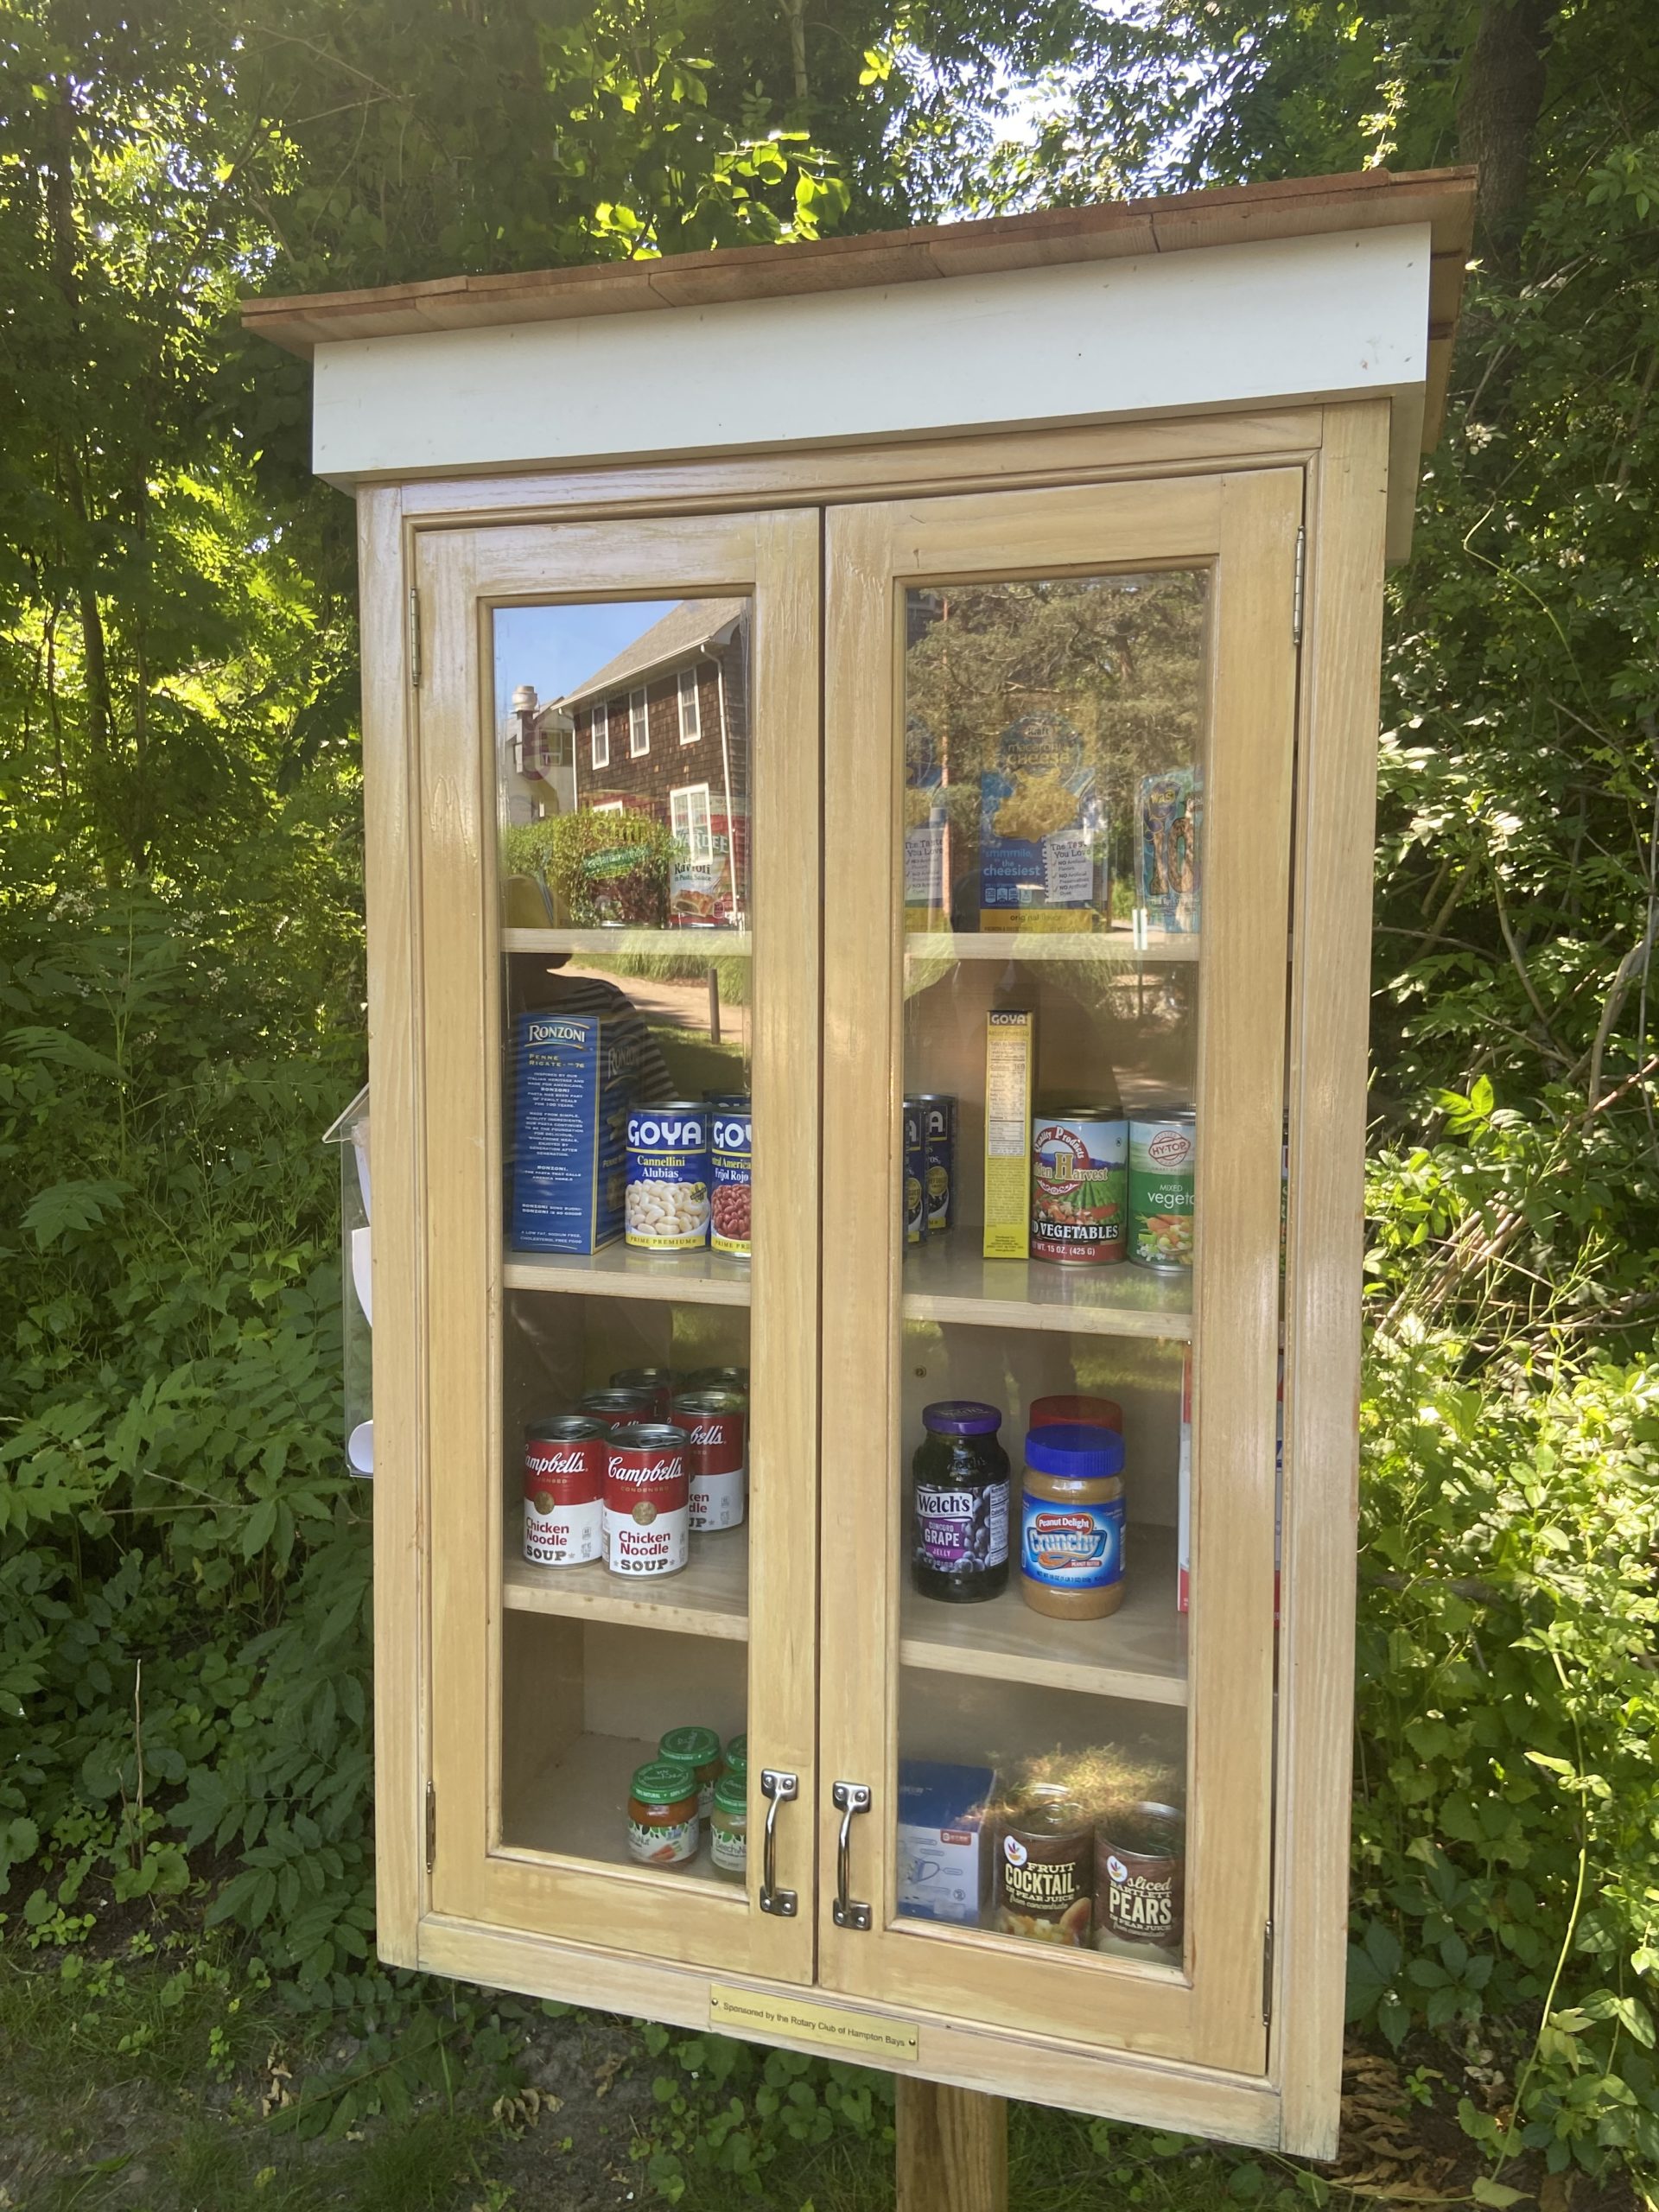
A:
(715, 1425)
(1163, 1154)
(666, 1208)
(564, 1490)
(647, 1500)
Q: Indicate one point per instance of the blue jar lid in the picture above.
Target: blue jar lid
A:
(1070, 1448)
(960, 1417)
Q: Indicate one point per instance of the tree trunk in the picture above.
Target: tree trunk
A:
(1498, 108)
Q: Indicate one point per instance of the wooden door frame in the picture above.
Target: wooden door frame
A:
(462, 576)
(1243, 528)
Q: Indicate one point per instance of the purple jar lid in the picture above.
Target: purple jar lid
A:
(1070, 1449)
(960, 1417)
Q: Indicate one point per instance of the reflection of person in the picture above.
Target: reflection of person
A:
(537, 982)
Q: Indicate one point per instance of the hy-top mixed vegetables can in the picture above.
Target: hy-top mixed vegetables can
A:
(1162, 1156)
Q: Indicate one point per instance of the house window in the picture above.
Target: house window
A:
(608, 806)
(639, 726)
(690, 709)
(691, 820)
(602, 735)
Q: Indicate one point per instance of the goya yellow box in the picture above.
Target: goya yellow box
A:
(1010, 1057)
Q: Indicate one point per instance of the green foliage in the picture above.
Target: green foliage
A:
(611, 868)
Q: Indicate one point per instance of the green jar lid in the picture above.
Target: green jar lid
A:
(731, 1794)
(691, 1746)
(737, 1751)
(661, 1782)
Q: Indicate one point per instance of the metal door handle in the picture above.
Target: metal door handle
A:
(776, 1787)
(849, 1798)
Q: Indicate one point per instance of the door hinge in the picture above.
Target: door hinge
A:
(431, 1826)
(1267, 1974)
(415, 634)
(1296, 592)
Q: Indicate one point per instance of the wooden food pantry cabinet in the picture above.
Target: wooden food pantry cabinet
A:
(779, 665)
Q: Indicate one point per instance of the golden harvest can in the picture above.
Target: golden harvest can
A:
(1162, 1156)
(1079, 1185)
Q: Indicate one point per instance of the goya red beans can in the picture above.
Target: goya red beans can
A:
(616, 1409)
(714, 1424)
(657, 1383)
(1079, 1185)
(647, 1500)
(730, 1164)
(564, 1490)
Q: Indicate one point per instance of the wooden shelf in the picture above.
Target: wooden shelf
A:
(947, 1279)
(709, 1597)
(1117, 945)
(696, 1278)
(577, 1808)
(683, 944)
(1139, 1652)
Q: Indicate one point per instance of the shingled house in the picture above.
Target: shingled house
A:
(663, 729)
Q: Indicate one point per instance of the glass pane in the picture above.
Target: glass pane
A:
(623, 780)
(1054, 739)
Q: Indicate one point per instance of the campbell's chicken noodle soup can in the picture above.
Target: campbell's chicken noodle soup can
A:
(647, 1500)
(564, 1490)
(715, 1425)
(1079, 1185)
(731, 1170)
(1163, 1156)
(720, 1378)
(657, 1382)
(619, 1408)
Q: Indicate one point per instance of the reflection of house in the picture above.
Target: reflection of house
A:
(663, 729)
(535, 773)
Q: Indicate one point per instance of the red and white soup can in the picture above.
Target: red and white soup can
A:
(647, 1500)
(714, 1424)
(564, 1490)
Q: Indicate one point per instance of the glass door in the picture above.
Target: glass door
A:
(1059, 754)
(619, 751)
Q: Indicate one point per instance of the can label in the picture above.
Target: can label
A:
(728, 1847)
(915, 1174)
(730, 1152)
(1079, 1195)
(715, 1429)
(667, 1208)
(1140, 1880)
(938, 1160)
(647, 1505)
(1163, 1156)
(1071, 1546)
(564, 1490)
(956, 1527)
(1045, 1881)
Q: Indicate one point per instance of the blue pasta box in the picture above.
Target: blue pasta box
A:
(574, 1077)
(943, 1866)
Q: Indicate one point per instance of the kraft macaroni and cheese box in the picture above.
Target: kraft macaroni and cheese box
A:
(943, 1865)
(574, 1076)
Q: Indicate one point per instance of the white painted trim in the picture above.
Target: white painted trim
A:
(1219, 327)
(689, 679)
(639, 722)
(599, 724)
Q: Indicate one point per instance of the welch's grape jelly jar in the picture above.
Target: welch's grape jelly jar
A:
(959, 1504)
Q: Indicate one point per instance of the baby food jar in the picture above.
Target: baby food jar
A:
(737, 1758)
(1072, 1522)
(729, 1827)
(696, 1750)
(662, 1826)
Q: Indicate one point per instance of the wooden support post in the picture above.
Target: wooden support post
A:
(952, 2149)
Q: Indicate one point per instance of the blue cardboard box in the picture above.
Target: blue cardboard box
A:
(574, 1077)
(943, 1865)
